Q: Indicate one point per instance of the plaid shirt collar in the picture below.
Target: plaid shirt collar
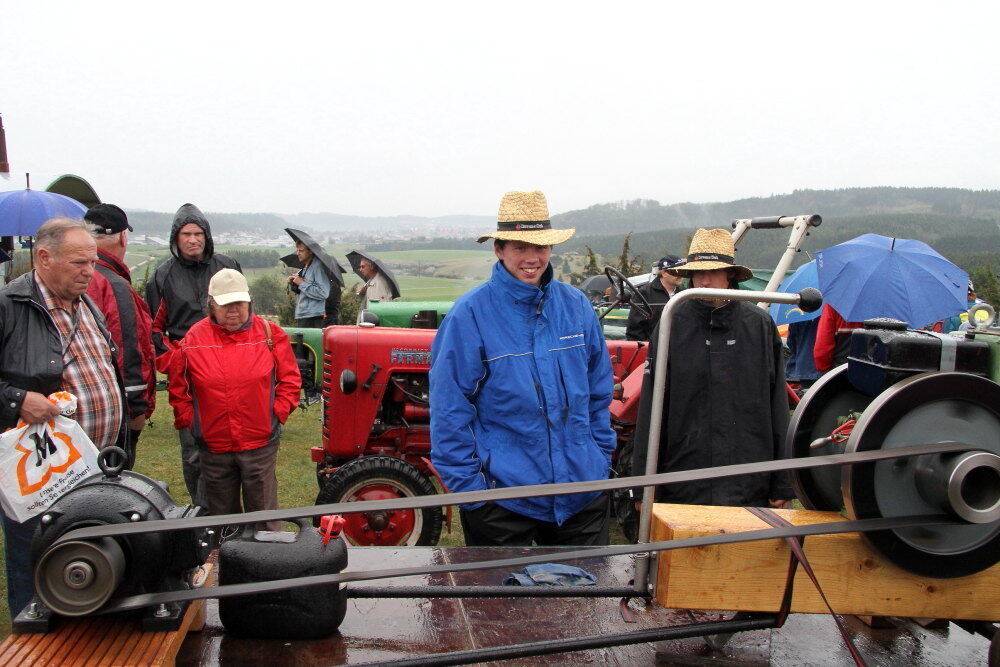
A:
(49, 299)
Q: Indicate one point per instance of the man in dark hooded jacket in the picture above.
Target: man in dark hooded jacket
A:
(176, 296)
(725, 400)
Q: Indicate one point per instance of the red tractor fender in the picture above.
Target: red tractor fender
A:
(447, 511)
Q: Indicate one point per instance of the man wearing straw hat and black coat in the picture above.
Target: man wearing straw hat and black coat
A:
(520, 384)
(726, 400)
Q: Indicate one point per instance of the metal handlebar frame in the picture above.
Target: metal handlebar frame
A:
(800, 225)
(659, 370)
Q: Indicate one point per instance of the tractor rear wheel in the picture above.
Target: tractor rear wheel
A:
(384, 478)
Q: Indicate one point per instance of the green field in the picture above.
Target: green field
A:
(426, 288)
(426, 256)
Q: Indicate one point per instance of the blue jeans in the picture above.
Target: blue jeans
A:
(17, 549)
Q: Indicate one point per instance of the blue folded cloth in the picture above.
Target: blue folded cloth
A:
(550, 574)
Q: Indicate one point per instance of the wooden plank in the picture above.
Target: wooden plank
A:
(751, 576)
(35, 650)
(139, 648)
(102, 640)
(91, 644)
(110, 654)
(71, 635)
(193, 621)
(15, 654)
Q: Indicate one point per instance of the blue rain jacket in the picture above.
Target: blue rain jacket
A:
(520, 385)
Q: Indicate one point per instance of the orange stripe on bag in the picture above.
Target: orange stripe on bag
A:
(22, 472)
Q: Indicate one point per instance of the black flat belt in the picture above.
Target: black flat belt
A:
(418, 502)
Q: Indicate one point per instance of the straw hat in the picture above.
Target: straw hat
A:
(228, 286)
(712, 249)
(524, 216)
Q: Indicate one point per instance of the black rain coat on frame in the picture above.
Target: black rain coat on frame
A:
(726, 403)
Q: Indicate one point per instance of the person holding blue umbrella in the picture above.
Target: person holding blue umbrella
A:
(878, 276)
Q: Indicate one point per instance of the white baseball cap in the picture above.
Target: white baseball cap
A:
(228, 286)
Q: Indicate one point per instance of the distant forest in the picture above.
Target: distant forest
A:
(963, 225)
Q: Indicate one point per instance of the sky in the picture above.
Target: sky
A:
(437, 108)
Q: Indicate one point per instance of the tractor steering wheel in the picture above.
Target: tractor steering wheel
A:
(627, 293)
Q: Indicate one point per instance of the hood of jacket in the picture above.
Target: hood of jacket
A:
(185, 214)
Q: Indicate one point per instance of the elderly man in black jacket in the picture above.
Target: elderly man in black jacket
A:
(177, 295)
(726, 400)
(46, 322)
(657, 292)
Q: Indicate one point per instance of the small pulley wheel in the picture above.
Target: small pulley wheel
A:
(627, 293)
(818, 413)
(925, 409)
(76, 578)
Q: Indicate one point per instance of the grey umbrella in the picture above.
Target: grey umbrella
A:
(597, 284)
(332, 265)
(355, 257)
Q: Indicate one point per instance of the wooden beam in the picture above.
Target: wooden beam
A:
(751, 576)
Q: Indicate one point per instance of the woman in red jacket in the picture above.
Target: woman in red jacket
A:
(233, 382)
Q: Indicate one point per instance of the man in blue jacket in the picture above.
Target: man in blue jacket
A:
(520, 385)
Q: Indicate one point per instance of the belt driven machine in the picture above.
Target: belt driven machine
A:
(918, 475)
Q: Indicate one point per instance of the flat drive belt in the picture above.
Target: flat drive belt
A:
(863, 525)
(512, 492)
(468, 497)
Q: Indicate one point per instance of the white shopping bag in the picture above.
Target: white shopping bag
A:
(40, 462)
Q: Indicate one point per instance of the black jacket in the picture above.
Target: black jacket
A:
(640, 327)
(31, 357)
(725, 404)
(180, 286)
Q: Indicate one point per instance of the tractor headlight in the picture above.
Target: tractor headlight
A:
(348, 381)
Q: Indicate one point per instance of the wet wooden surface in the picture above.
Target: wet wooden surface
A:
(391, 629)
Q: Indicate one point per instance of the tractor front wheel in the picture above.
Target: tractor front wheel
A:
(384, 478)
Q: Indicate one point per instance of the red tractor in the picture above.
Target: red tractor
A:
(376, 426)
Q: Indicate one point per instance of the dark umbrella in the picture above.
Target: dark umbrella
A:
(597, 284)
(355, 257)
(332, 265)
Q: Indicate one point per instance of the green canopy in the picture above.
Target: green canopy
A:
(760, 279)
(76, 188)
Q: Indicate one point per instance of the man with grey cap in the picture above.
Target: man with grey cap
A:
(126, 315)
(657, 292)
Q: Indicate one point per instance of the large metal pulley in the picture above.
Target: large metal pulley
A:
(922, 409)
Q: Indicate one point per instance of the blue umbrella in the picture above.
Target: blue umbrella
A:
(877, 276)
(804, 276)
(22, 212)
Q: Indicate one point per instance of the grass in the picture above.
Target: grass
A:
(428, 288)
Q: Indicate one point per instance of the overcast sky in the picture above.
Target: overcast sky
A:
(436, 108)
